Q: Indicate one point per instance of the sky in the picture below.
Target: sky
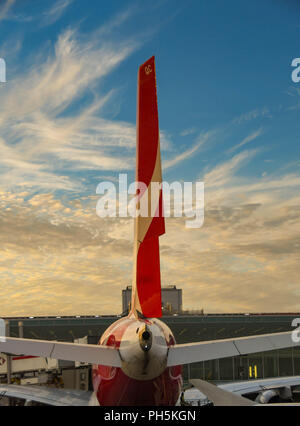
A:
(229, 117)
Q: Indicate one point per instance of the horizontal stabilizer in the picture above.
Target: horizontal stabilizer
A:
(48, 396)
(92, 354)
(205, 351)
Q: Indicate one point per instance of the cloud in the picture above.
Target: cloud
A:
(40, 139)
(56, 254)
(201, 140)
(244, 258)
(254, 135)
(293, 91)
(252, 115)
(223, 173)
(51, 116)
(46, 18)
(55, 12)
(52, 246)
(188, 131)
(4, 9)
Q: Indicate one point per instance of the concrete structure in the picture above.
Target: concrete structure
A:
(171, 299)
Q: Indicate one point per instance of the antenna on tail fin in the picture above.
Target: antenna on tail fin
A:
(146, 288)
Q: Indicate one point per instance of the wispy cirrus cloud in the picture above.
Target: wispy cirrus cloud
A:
(52, 121)
(40, 138)
(55, 12)
(45, 18)
(189, 131)
(224, 172)
(202, 139)
(4, 9)
(254, 135)
(252, 115)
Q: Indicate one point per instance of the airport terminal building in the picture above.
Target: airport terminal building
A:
(187, 328)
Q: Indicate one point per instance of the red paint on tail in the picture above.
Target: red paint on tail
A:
(148, 169)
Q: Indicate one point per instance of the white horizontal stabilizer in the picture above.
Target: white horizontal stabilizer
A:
(92, 354)
(215, 349)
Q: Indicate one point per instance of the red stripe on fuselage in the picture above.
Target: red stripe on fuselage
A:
(17, 358)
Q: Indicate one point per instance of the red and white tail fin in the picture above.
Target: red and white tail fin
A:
(146, 288)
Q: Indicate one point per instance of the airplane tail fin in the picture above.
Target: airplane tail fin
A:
(149, 223)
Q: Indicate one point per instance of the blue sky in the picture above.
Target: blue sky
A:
(229, 115)
(216, 63)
